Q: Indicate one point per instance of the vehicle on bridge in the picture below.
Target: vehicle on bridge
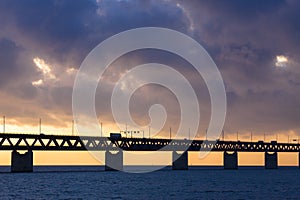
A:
(115, 135)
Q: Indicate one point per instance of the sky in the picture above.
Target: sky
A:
(255, 45)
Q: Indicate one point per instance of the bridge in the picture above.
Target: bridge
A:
(114, 161)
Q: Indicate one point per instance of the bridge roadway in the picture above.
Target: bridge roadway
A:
(75, 143)
(43, 142)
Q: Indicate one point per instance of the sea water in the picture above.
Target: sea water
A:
(201, 183)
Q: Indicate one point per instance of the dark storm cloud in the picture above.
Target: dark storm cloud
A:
(62, 33)
(15, 70)
(270, 25)
(147, 95)
(8, 55)
(243, 37)
(243, 9)
(50, 28)
(66, 31)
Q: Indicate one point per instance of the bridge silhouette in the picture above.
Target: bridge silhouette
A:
(114, 161)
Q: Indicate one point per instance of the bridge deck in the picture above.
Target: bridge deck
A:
(9, 141)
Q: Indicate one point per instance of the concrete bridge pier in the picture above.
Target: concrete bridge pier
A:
(22, 162)
(271, 160)
(180, 161)
(230, 160)
(113, 161)
(299, 160)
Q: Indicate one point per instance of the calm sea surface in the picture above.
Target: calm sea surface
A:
(213, 183)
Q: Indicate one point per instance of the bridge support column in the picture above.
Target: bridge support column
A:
(271, 160)
(21, 162)
(114, 161)
(230, 160)
(299, 160)
(180, 161)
